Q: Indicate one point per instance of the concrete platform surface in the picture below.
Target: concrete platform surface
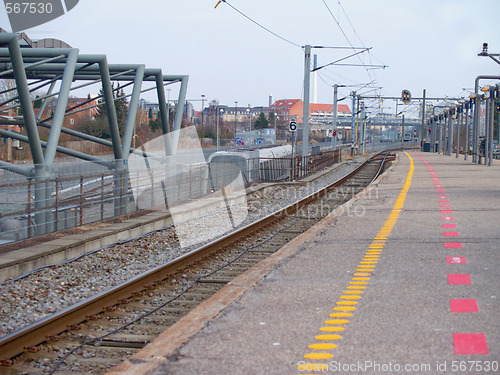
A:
(405, 280)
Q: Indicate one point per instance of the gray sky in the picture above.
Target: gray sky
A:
(425, 44)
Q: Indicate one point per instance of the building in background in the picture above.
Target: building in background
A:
(288, 109)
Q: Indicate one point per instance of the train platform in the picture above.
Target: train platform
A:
(402, 279)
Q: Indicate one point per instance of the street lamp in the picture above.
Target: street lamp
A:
(219, 112)
(249, 118)
(275, 131)
(235, 117)
(202, 110)
(492, 56)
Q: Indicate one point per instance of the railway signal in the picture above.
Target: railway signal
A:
(292, 126)
(405, 96)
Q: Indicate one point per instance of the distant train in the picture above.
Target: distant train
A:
(263, 164)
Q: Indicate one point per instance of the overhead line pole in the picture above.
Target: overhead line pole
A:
(307, 91)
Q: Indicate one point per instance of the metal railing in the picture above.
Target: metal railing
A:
(84, 193)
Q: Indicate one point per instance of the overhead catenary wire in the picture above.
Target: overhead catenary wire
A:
(369, 73)
(260, 25)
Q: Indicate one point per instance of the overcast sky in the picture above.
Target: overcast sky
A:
(424, 44)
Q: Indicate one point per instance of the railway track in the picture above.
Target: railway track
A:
(98, 333)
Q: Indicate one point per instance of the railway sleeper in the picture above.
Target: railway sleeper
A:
(109, 343)
(215, 281)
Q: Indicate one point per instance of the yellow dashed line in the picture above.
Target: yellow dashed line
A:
(331, 329)
(318, 356)
(357, 285)
(337, 321)
(341, 315)
(328, 337)
(322, 346)
(346, 303)
(344, 308)
(350, 297)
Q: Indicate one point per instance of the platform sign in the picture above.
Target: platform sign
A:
(292, 126)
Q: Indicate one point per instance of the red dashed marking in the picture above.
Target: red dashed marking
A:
(463, 343)
(470, 343)
(449, 226)
(463, 306)
(455, 260)
(459, 279)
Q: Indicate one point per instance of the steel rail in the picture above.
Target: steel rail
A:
(15, 343)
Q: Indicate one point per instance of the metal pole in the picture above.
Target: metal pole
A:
(363, 128)
(110, 108)
(334, 124)
(45, 101)
(492, 121)
(178, 116)
(307, 91)
(467, 128)
(475, 127)
(440, 135)
(217, 109)
(357, 124)
(162, 104)
(487, 132)
(497, 96)
(422, 128)
(31, 129)
(236, 118)
(353, 136)
(24, 96)
(459, 126)
(449, 143)
(402, 132)
(433, 132)
(249, 119)
(275, 128)
(477, 102)
(61, 105)
(132, 113)
(202, 116)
